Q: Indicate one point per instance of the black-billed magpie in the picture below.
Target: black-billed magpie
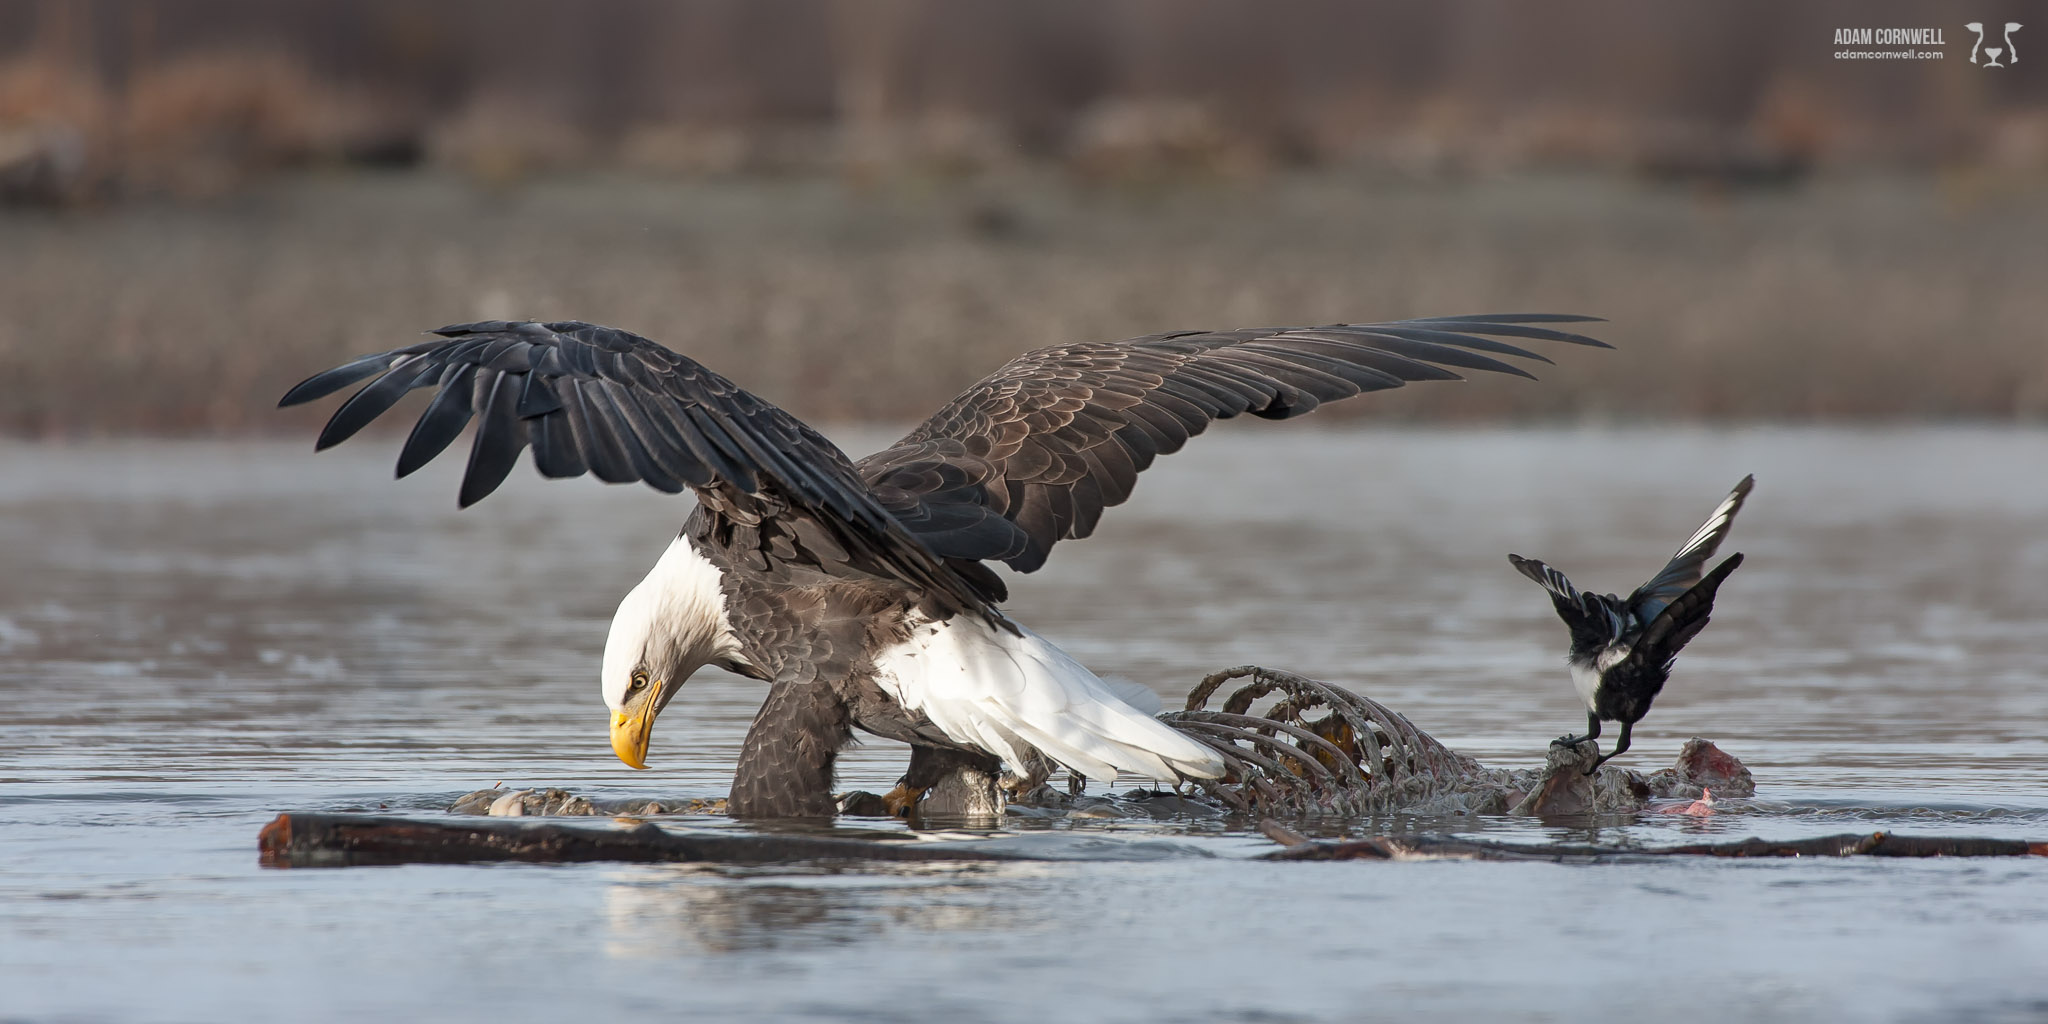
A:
(1622, 648)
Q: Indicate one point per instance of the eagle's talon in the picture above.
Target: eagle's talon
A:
(902, 801)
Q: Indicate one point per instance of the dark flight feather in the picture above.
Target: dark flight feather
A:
(374, 400)
(327, 382)
(499, 437)
(443, 421)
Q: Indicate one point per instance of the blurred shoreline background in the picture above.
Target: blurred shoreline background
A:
(856, 208)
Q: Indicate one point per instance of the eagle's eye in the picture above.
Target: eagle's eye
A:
(639, 681)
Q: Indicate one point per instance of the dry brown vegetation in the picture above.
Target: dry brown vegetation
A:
(114, 98)
(856, 206)
(1854, 298)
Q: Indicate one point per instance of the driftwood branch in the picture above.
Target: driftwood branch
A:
(1875, 844)
(347, 840)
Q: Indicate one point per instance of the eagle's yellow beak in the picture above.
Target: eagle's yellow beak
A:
(630, 731)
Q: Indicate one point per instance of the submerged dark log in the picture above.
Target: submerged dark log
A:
(1875, 844)
(347, 840)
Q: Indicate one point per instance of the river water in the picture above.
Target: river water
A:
(196, 636)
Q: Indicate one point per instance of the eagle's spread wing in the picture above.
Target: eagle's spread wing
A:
(1033, 453)
(1683, 570)
(599, 400)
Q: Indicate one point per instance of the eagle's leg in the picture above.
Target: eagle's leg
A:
(930, 766)
(1619, 746)
(1592, 732)
(788, 759)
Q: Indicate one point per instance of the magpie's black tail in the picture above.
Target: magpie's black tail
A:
(1681, 620)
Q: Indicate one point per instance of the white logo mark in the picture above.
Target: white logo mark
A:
(2012, 53)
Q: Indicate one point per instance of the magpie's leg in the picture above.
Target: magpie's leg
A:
(1619, 746)
(1592, 731)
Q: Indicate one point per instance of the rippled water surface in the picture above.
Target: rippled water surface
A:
(194, 637)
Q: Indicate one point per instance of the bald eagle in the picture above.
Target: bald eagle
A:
(860, 591)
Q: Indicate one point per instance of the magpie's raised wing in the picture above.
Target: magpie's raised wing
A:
(1593, 621)
(1683, 570)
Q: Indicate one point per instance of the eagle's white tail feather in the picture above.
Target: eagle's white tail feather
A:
(1135, 693)
(997, 691)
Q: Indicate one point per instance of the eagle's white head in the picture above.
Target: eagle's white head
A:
(671, 624)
